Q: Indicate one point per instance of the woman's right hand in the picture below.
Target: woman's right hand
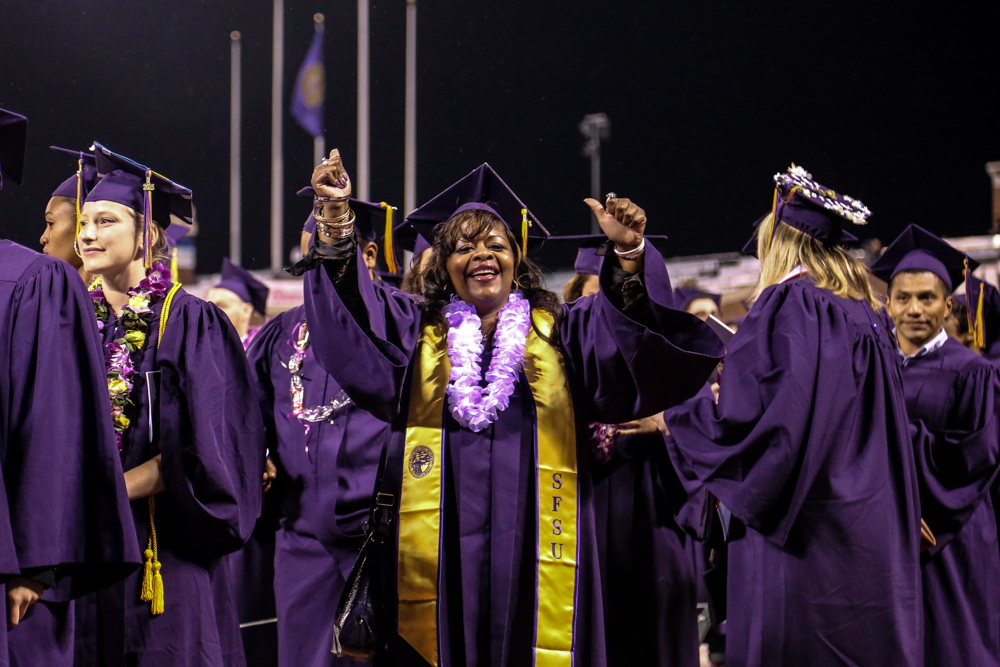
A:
(330, 179)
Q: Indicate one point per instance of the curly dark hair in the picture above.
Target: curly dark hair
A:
(437, 287)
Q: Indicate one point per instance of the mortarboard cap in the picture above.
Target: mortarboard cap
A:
(685, 295)
(481, 189)
(414, 236)
(13, 139)
(242, 283)
(79, 185)
(803, 204)
(916, 249)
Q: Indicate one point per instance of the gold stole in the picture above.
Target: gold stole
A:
(421, 497)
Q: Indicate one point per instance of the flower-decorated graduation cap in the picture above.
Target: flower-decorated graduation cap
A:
(803, 204)
(242, 283)
(482, 189)
(138, 187)
(916, 249)
(587, 259)
(13, 139)
(79, 185)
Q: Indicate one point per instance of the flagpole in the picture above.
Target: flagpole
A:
(319, 141)
(361, 178)
(235, 111)
(277, 163)
(410, 148)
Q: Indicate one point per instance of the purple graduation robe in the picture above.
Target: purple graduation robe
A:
(63, 503)
(211, 439)
(324, 489)
(809, 446)
(648, 572)
(953, 400)
(615, 366)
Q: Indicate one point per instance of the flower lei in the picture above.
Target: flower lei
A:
(136, 315)
(320, 413)
(472, 406)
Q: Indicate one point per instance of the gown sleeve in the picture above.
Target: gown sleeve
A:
(65, 487)
(259, 356)
(759, 449)
(957, 465)
(365, 334)
(631, 353)
(212, 436)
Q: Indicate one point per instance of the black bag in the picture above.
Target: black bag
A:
(361, 628)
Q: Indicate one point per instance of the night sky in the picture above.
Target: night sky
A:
(894, 104)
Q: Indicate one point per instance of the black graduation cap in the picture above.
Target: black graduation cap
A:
(13, 139)
(916, 249)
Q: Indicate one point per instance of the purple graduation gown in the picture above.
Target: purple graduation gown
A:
(615, 366)
(809, 446)
(952, 399)
(648, 572)
(324, 495)
(62, 494)
(211, 439)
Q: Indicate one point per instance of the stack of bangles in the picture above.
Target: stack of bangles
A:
(335, 228)
(635, 253)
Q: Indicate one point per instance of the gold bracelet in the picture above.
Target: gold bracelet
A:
(318, 214)
(336, 230)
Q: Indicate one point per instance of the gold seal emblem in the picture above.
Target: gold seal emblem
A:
(421, 461)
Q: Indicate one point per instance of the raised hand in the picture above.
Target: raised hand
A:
(621, 220)
(330, 179)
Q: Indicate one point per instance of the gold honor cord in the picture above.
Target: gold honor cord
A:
(152, 581)
(421, 494)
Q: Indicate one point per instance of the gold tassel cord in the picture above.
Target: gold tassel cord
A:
(390, 254)
(152, 580)
(173, 265)
(524, 231)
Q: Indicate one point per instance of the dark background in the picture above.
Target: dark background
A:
(894, 104)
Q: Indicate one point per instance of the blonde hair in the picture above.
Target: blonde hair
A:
(831, 268)
(161, 251)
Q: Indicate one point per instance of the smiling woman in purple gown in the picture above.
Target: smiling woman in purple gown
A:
(496, 547)
(809, 447)
(188, 428)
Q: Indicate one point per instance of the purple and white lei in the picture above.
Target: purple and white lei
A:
(471, 405)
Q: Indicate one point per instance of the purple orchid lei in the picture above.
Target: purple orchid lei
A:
(472, 406)
(136, 315)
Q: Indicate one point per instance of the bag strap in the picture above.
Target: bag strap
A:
(387, 484)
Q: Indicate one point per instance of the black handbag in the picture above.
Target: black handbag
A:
(362, 627)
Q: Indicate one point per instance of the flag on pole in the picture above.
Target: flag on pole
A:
(310, 88)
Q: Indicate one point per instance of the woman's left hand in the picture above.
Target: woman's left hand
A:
(622, 221)
(637, 426)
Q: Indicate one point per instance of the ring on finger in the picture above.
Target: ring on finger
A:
(608, 197)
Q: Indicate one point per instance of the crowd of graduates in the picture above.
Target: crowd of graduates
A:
(508, 478)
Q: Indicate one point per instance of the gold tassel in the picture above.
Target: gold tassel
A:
(390, 255)
(157, 608)
(146, 594)
(524, 231)
(173, 266)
